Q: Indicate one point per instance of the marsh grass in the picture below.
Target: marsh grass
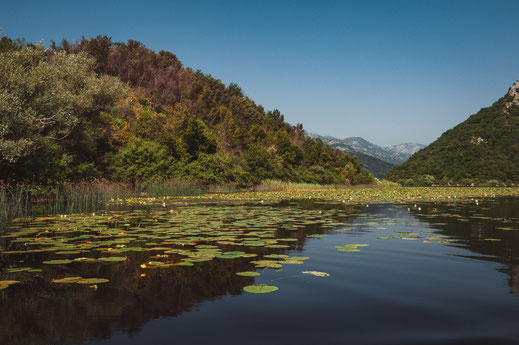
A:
(19, 201)
(277, 185)
(14, 203)
(387, 183)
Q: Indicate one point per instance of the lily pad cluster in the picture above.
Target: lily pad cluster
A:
(179, 235)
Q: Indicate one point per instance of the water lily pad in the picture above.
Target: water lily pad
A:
(248, 274)
(185, 263)
(91, 281)
(276, 256)
(85, 259)
(113, 258)
(4, 284)
(67, 280)
(350, 247)
(235, 253)
(317, 273)
(18, 269)
(57, 262)
(261, 288)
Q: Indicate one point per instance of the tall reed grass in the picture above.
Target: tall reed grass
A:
(278, 185)
(18, 201)
(14, 203)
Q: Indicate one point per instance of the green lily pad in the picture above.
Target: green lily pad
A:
(67, 280)
(92, 281)
(236, 253)
(276, 256)
(317, 273)
(248, 274)
(18, 269)
(57, 262)
(113, 258)
(350, 247)
(185, 263)
(261, 288)
(85, 259)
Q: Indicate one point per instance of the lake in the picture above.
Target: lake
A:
(165, 272)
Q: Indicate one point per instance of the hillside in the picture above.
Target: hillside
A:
(120, 111)
(484, 149)
(377, 167)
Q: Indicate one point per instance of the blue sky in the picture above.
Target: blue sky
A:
(388, 71)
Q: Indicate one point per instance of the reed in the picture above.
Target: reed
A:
(278, 185)
(15, 202)
(20, 201)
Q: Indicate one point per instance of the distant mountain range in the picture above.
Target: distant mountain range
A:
(376, 159)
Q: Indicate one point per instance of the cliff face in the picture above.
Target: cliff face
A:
(513, 94)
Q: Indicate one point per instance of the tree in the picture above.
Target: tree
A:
(44, 99)
(198, 139)
(142, 159)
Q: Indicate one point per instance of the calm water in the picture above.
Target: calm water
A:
(432, 273)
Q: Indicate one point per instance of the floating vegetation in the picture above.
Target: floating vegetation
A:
(350, 247)
(92, 281)
(192, 236)
(355, 195)
(57, 262)
(317, 273)
(248, 274)
(67, 280)
(261, 288)
(113, 258)
(4, 284)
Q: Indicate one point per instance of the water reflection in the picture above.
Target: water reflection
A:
(489, 229)
(37, 311)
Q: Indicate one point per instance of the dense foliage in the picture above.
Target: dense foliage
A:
(484, 149)
(96, 109)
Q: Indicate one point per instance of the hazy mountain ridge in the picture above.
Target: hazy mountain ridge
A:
(406, 148)
(376, 159)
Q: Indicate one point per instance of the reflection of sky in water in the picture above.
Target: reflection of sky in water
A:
(438, 273)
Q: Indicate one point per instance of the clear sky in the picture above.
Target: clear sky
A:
(388, 71)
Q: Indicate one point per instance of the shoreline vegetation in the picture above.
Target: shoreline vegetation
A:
(95, 121)
(19, 202)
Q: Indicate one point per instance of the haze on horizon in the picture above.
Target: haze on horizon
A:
(390, 72)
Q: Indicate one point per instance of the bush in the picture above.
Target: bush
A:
(142, 159)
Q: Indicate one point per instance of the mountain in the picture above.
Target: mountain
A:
(377, 167)
(484, 149)
(407, 149)
(376, 159)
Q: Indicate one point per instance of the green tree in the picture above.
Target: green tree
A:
(142, 159)
(198, 139)
(45, 101)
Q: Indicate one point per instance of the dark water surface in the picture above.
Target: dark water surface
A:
(432, 273)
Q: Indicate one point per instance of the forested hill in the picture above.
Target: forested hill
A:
(99, 109)
(484, 149)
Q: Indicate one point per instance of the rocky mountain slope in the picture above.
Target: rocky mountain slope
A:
(484, 149)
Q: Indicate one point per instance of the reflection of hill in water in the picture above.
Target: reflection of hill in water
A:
(39, 312)
(477, 227)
